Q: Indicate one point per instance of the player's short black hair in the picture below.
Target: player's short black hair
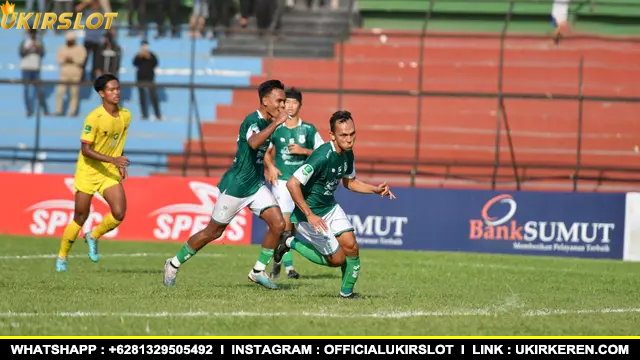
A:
(293, 93)
(339, 117)
(101, 81)
(268, 86)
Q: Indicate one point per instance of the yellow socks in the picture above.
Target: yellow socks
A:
(108, 223)
(68, 237)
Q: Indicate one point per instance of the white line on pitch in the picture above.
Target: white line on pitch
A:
(53, 256)
(393, 315)
(549, 312)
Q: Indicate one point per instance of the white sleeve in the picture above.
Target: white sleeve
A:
(304, 173)
(317, 141)
(253, 129)
(353, 172)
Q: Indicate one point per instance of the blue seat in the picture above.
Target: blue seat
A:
(168, 135)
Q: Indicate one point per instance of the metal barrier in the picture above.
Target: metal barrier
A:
(412, 166)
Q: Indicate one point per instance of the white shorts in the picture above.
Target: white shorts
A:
(227, 207)
(201, 8)
(283, 196)
(326, 243)
(560, 11)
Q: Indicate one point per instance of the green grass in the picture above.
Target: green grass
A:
(405, 293)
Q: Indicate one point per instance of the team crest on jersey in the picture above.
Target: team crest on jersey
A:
(301, 139)
(307, 169)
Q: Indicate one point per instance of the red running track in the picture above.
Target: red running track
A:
(464, 129)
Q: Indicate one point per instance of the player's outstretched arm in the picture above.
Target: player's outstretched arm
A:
(256, 140)
(362, 187)
(88, 151)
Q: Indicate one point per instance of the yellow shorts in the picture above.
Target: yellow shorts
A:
(91, 184)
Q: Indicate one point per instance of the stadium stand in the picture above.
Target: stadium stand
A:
(609, 17)
(167, 135)
(451, 130)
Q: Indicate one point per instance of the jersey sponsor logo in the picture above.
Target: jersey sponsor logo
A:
(87, 129)
(307, 170)
(499, 222)
(293, 163)
(332, 185)
(50, 217)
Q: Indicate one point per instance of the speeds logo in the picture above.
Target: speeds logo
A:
(179, 221)
(50, 217)
(158, 208)
(538, 235)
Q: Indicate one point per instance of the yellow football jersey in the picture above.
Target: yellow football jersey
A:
(108, 135)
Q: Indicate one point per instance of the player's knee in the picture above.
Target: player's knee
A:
(349, 245)
(213, 230)
(80, 217)
(278, 225)
(337, 259)
(118, 214)
(353, 250)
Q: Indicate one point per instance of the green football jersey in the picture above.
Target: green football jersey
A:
(304, 134)
(246, 175)
(320, 176)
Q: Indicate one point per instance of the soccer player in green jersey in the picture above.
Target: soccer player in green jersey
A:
(244, 185)
(291, 144)
(317, 216)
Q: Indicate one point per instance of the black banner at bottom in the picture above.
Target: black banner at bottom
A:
(324, 346)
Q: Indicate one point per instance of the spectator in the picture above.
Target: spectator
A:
(319, 4)
(93, 38)
(219, 13)
(199, 15)
(265, 15)
(107, 59)
(31, 53)
(139, 7)
(146, 62)
(59, 7)
(171, 8)
(559, 16)
(105, 5)
(42, 6)
(247, 9)
(71, 58)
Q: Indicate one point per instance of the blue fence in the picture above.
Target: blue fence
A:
(587, 225)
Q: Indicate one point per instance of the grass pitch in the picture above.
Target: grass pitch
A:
(405, 293)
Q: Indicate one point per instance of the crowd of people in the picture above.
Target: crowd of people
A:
(100, 52)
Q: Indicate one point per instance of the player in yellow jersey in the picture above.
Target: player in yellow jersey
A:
(101, 167)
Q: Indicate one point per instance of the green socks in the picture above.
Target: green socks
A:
(185, 253)
(309, 252)
(350, 272)
(287, 259)
(263, 259)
